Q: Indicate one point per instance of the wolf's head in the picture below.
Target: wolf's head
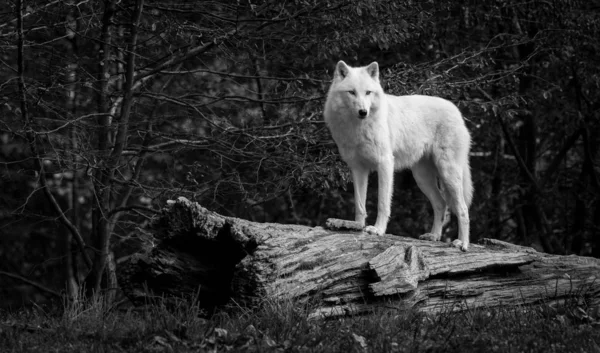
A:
(357, 89)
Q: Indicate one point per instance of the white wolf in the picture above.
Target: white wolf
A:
(377, 131)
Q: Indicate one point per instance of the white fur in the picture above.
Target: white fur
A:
(426, 134)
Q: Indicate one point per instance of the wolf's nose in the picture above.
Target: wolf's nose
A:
(362, 113)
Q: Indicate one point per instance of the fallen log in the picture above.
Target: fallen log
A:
(190, 250)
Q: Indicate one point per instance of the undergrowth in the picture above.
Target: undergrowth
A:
(167, 326)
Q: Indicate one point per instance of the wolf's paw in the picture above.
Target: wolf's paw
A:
(429, 236)
(459, 244)
(373, 230)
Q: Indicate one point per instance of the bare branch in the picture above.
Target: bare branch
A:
(27, 14)
(160, 146)
(189, 54)
(32, 283)
(192, 9)
(68, 123)
(130, 208)
(553, 167)
(119, 100)
(232, 98)
(513, 147)
(250, 77)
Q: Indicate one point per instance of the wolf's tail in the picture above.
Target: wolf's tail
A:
(467, 183)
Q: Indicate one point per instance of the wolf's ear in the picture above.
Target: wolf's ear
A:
(341, 70)
(373, 70)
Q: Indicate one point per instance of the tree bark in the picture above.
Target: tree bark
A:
(72, 91)
(103, 227)
(190, 251)
(101, 179)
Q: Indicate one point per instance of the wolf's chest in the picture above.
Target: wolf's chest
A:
(365, 145)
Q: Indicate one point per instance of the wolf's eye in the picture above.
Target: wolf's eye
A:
(368, 92)
(352, 93)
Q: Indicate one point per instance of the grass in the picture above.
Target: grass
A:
(285, 327)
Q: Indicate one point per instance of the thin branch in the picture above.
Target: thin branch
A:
(119, 100)
(162, 145)
(235, 98)
(189, 54)
(32, 283)
(285, 125)
(183, 103)
(513, 147)
(553, 167)
(193, 10)
(116, 210)
(70, 122)
(19, 5)
(21, 208)
(250, 77)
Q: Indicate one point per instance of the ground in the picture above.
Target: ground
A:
(285, 327)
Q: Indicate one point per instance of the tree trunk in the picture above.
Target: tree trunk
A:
(72, 91)
(191, 251)
(101, 179)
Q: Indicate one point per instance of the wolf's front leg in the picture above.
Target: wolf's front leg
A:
(385, 177)
(360, 178)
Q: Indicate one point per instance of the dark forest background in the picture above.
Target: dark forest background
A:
(110, 108)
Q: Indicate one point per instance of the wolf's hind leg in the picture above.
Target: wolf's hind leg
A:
(426, 176)
(451, 175)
